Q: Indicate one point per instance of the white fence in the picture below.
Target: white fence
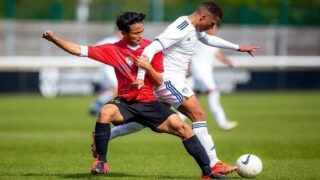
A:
(75, 75)
(36, 63)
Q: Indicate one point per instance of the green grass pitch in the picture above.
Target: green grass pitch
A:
(50, 139)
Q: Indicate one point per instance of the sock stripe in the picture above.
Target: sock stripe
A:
(199, 125)
(202, 122)
(194, 127)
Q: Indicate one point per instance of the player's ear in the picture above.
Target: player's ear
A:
(202, 16)
(123, 33)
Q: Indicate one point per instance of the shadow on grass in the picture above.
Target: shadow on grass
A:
(113, 175)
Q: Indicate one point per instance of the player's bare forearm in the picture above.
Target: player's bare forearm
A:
(138, 83)
(154, 76)
(67, 46)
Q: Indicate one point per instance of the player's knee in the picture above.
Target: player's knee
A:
(184, 131)
(106, 113)
(198, 114)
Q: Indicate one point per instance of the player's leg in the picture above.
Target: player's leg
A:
(125, 129)
(179, 95)
(204, 82)
(174, 125)
(108, 114)
(218, 112)
(191, 107)
(182, 116)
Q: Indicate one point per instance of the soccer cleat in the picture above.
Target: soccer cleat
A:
(214, 176)
(223, 168)
(229, 125)
(94, 147)
(99, 167)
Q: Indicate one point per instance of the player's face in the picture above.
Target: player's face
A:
(207, 22)
(135, 35)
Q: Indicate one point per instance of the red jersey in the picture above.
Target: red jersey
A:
(123, 59)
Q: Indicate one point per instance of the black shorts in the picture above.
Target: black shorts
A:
(150, 114)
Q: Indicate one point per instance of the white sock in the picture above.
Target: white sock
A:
(125, 129)
(216, 108)
(200, 129)
(182, 116)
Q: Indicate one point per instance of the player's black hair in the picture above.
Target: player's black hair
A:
(125, 20)
(212, 7)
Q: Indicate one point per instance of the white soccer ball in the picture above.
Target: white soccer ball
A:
(249, 166)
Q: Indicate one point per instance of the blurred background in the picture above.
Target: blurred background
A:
(46, 94)
(286, 30)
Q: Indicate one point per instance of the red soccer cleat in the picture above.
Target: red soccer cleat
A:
(99, 167)
(214, 176)
(223, 168)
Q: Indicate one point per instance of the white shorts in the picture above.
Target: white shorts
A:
(203, 82)
(173, 92)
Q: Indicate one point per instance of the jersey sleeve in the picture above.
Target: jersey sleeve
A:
(105, 53)
(174, 33)
(215, 41)
(157, 62)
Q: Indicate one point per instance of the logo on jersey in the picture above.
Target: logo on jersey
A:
(129, 60)
(185, 90)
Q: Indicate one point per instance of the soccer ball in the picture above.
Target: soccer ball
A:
(249, 166)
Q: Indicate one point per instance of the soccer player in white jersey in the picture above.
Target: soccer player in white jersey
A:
(202, 78)
(108, 81)
(178, 43)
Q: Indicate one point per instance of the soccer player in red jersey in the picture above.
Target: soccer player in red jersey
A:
(133, 104)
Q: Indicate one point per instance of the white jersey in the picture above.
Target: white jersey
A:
(181, 39)
(178, 43)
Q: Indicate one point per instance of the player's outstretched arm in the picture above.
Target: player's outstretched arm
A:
(63, 44)
(215, 41)
(221, 43)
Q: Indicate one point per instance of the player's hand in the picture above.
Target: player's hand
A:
(48, 35)
(249, 49)
(143, 62)
(137, 84)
